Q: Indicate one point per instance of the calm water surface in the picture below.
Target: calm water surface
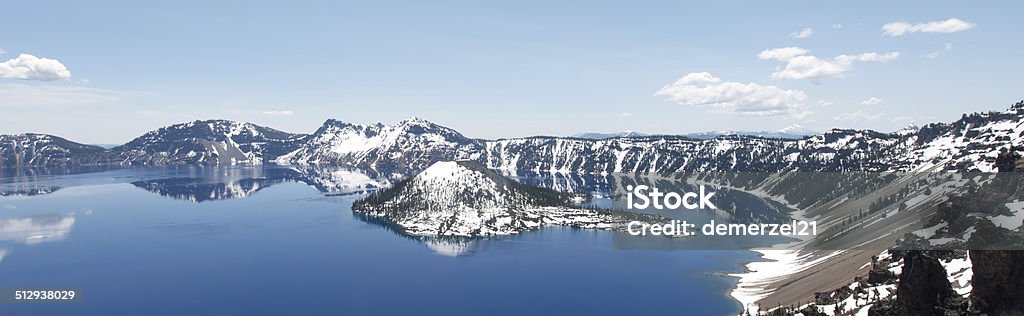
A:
(275, 241)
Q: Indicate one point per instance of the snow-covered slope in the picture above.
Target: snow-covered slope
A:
(212, 142)
(972, 142)
(411, 144)
(43, 150)
(463, 198)
(837, 150)
(968, 144)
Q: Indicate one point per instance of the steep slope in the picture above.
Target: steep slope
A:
(209, 142)
(971, 143)
(34, 150)
(410, 145)
(968, 144)
(837, 150)
(466, 199)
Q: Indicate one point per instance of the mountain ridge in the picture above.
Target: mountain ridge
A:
(970, 143)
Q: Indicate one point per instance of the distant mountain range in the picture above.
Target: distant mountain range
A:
(970, 143)
(790, 132)
(609, 135)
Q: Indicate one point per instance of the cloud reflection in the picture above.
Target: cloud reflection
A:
(36, 229)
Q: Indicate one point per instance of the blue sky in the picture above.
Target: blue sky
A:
(504, 69)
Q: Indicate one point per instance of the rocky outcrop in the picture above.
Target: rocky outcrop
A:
(998, 282)
(998, 274)
(923, 287)
(879, 273)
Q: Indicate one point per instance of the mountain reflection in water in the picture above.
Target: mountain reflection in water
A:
(206, 184)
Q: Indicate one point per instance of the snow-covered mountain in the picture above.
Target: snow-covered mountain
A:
(464, 198)
(44, 150)
(796, 129)
(412, 144)
(909, 130)
(970, 143)
(211, 142)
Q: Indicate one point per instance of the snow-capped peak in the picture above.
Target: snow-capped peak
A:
(401, 146)
(910, 129)
(416, 120)
(797, 130)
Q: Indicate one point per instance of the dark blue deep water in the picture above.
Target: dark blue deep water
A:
(185, 241)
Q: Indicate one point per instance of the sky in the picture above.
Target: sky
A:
(105, 72)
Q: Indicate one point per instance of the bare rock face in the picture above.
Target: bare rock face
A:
(998, 279)
(879, 273)
(923, 288)
(998, 282)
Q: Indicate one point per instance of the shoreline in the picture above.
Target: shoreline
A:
(774, 264)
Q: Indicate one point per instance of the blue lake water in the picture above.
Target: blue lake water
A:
(270, 241)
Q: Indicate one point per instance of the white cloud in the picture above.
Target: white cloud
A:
(734, 98)
(2, 51)
(871, 101)
(279, 113)
(626, 114)
(948, 26)
(947, 47)
(799, 65)
(824, 103)
(858, 116)
(799, 114)
(30, 67)
(872, 57)
(804, 33)
(837, 26)
(781, 54)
